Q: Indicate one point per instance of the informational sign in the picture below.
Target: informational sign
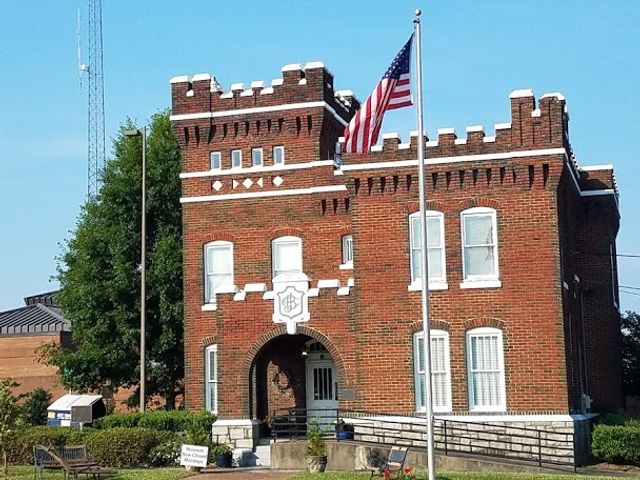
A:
(194, 456)
(83, 414)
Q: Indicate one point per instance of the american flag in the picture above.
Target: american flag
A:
(393, 91)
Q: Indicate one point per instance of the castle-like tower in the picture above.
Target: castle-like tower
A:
(302, 281)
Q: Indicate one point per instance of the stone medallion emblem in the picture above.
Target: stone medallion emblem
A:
(291, 304)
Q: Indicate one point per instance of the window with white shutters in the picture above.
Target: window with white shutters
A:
(286, 255)
(435, 247)
(218, 259)
(440, 371)
(211, 378)
(485, 370)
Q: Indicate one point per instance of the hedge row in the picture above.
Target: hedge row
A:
(116, 447)
(616, 443)
(171, 421)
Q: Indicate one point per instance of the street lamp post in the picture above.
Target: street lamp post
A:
(143, 263)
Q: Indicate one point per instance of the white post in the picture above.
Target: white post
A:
(425, 262)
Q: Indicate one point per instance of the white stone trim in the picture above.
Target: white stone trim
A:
(475, 128)
(593, 193)
(240, 296)
(390, 135)
(346, 266)
(255, 287)
(376, 148)
(506, 418)
(521, 93)
(258, 169)
(342, 291)
(446, 131)
(351, 282)
(460, 141)
(489, 139)
(270, 193)
(209, 307)
(590, 168)
(179, 79)
(431, 143)
(240, 422)
(331, 283)
(253, 110)
(313, 292)
(502, 126)
(460, 158)
(480, 284)
(268, 295)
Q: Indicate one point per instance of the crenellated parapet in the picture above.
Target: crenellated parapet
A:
(300, 83)
(533, 126)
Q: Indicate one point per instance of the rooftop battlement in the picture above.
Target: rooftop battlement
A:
(532, 126)
(300, 83)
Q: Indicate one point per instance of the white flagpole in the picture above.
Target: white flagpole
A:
(431, 464)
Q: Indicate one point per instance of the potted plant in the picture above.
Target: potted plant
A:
(316, 448)
(344, 430)
(223, 455)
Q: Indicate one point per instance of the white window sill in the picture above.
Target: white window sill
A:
(496, 409)
(481, 284)
(209, 307)
(417, 286)
(346, 266)
(422, 411)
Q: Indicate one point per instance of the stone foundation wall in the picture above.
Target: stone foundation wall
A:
(240, 433)
(546, 441)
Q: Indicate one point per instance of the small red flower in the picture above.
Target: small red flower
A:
(408, 469)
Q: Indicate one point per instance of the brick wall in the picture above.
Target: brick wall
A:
(523, 173)
(18, 360)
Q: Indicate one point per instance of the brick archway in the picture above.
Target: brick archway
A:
(253, 358)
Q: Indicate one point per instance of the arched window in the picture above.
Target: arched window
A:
(218, 260)
(440, 371)
(435, 247)
(286, 255)
(480, 246)
(485, 370)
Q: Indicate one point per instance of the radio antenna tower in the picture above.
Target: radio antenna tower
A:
(96, 118)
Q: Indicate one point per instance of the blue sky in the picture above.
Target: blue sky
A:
(475, 53)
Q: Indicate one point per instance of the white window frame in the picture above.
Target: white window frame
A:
(279, 148)
(254, 151)
(280, 240)
(346, 243)
(418, 373)
(239, 152)
(483, 332)
(211, 380)
(211, 157)
(227, 288)
(435, 283)
(480, 281)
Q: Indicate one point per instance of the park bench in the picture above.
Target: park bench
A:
(71, 460)
(394, 463)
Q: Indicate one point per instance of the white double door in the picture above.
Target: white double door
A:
(322, 391)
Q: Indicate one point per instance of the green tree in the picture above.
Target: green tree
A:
(10, 419)
(35, 405)
(100, 280)
(631, 353)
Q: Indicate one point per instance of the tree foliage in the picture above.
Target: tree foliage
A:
(631, 353)
(35, 405)
(100, 280)
(10, 419)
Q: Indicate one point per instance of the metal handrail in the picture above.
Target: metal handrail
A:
(451, 436)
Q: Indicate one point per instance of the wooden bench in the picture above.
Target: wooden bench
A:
(71, 460)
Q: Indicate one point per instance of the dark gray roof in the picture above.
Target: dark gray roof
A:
(40, 315)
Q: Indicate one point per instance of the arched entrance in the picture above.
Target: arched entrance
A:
(294, 373)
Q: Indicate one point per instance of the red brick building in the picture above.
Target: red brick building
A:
(22, 331)
(302, 281)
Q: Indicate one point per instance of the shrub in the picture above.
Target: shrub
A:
(165, 454)
(620, 419)
(125, 447)
(169, 420)
(616, 443)
(21, 452)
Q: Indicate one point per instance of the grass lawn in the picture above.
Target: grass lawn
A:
(26, 473)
